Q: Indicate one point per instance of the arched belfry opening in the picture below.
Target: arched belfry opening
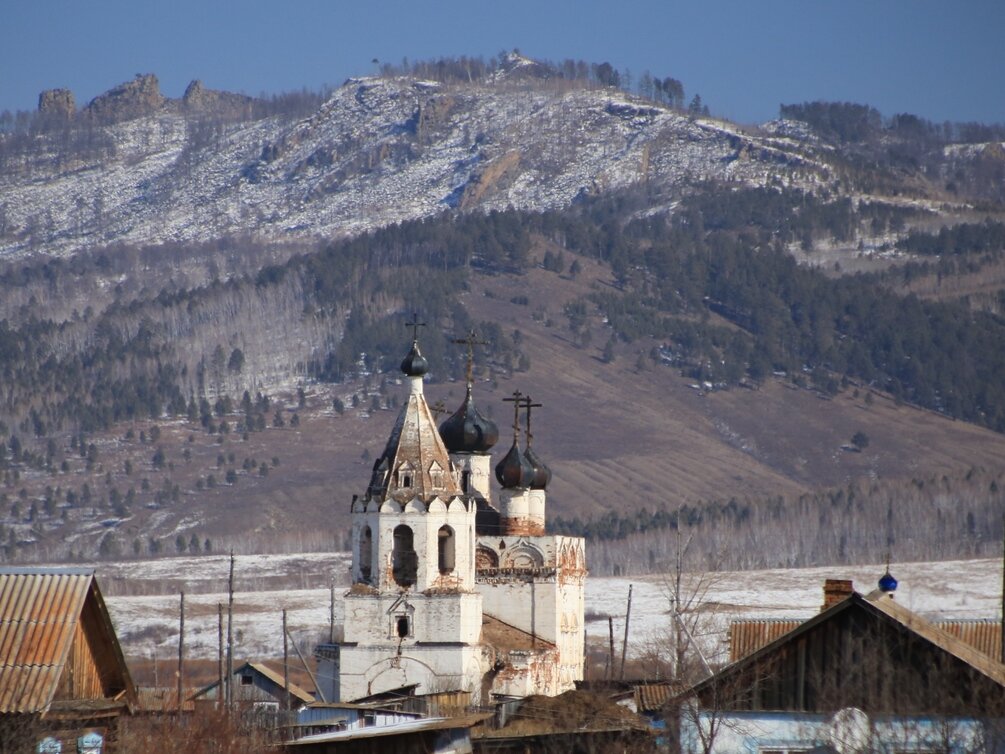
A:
(365, 553)
(446, 549)
(404, 559)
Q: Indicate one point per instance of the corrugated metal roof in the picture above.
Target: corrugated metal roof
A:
(651, 696)
(39, 611)
(748, 635)
(983, 635)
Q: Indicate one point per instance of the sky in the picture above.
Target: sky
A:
(939, 60)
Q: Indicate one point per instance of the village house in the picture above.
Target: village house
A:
(63, 681)
(865, 672)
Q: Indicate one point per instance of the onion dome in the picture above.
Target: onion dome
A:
(514, 470)
(542, 474)
(467, 431)
(414, 364)
(887, 583)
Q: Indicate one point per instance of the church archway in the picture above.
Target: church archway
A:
(365, 553)
(404, 559)
(446, 548)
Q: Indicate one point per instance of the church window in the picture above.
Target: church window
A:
(404, 475)
(436, 475)
(445, 549)
(466, 481)
(402, 626)
(404, 559)
(365, 552)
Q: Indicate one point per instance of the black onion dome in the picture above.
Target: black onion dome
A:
(542, 474)
(414, 364)
(887, 583)
(467, 431)
(513, 470)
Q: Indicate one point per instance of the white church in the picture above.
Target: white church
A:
(452, 588)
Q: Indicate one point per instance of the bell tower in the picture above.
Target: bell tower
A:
(413, 614)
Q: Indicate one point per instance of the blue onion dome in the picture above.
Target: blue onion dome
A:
(467, 431)
(887, 583)
(414, 364)
(542, 474)
(513, 470)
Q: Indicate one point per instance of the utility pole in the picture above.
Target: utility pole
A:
(219, 654)
(624, 645)
(286, 663)
(230, 635)
(181, 648)
(610, 651)
(331, 613)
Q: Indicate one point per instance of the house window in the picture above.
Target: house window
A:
(246, 680)
(445, 548)
(404, 559)
(369, 718)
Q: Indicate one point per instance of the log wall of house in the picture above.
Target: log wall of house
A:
(80, 678)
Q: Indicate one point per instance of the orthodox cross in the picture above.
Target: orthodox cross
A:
(527, 404)
(516, 400)
(415, 325)
(470, 341)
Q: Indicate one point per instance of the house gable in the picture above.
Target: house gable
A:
(873, 656)
(57, 643)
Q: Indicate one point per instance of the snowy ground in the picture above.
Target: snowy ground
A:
(266, 584)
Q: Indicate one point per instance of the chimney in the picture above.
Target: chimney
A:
(836, 590)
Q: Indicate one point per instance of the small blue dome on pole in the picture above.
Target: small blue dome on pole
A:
(887, 583)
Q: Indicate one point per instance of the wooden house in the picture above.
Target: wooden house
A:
(63, 679)
(865, 672)
(255, 687)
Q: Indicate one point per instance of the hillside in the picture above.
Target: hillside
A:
(629, 263)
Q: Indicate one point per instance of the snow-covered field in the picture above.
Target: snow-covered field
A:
(301, 584)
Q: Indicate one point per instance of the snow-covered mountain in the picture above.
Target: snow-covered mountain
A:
(378, 151)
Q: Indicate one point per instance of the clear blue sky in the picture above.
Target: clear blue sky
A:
(938, 59)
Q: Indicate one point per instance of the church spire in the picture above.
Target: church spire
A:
(415, 461)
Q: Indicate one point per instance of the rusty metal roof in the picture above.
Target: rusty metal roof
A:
(748, 635)
(39, 611)
(652, 696)
(984, 635)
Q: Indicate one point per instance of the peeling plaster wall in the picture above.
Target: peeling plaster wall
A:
(546, 600)
(456, 513)
(371, 619)
(372, 669)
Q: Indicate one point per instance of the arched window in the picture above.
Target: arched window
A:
(466, 481)
(404, 560)
(445, 549)
(365, 552)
